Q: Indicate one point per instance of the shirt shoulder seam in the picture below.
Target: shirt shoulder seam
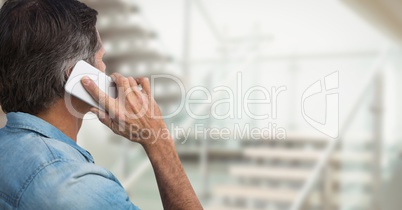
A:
(47, 146)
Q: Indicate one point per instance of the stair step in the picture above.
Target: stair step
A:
(257, 193)
(270, 173)
(227, 208)
(283, 154)
(314, 139)
(292, 174)
(292, 137)
(357, 201)
(354, 178)
(307, 136)
(213, 153)
(299, 137)
(285, 196)
(353, 157)
(305, 155)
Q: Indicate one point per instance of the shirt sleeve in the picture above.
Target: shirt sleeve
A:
(74, 185)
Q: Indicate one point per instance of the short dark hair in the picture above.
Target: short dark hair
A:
(40, 42)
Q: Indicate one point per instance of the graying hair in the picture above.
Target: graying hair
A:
(40, 42)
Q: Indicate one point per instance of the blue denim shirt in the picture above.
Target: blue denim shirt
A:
(42, 168)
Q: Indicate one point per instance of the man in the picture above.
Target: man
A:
(41, 166)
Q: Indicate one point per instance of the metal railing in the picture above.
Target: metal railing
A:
(330, 149)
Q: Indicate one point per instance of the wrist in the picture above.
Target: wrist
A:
(161, 143)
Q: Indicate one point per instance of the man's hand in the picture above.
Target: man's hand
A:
(135, 115)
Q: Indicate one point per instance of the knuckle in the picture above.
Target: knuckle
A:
(144, 80)
(122, 80)
(116, 74)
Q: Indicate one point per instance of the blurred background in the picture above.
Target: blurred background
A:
(352, 46)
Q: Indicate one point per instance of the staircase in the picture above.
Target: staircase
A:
(271, 174)
(296, 174)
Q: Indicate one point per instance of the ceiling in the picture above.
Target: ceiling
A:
(384, 14)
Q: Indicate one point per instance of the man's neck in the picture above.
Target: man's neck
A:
(60, 117)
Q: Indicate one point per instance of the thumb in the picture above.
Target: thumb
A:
(104, 100)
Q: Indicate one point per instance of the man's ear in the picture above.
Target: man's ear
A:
(69, 70)
(67, 73)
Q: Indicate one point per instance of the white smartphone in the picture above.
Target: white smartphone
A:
(75, 88)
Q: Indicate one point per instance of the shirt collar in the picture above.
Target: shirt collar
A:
(33, 123)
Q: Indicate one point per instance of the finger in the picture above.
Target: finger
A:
(123, 86)
(121, 81)
(104, 100)
(144, 82)
(134, 87)
(133, 84)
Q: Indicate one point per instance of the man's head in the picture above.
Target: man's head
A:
(40, 42)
